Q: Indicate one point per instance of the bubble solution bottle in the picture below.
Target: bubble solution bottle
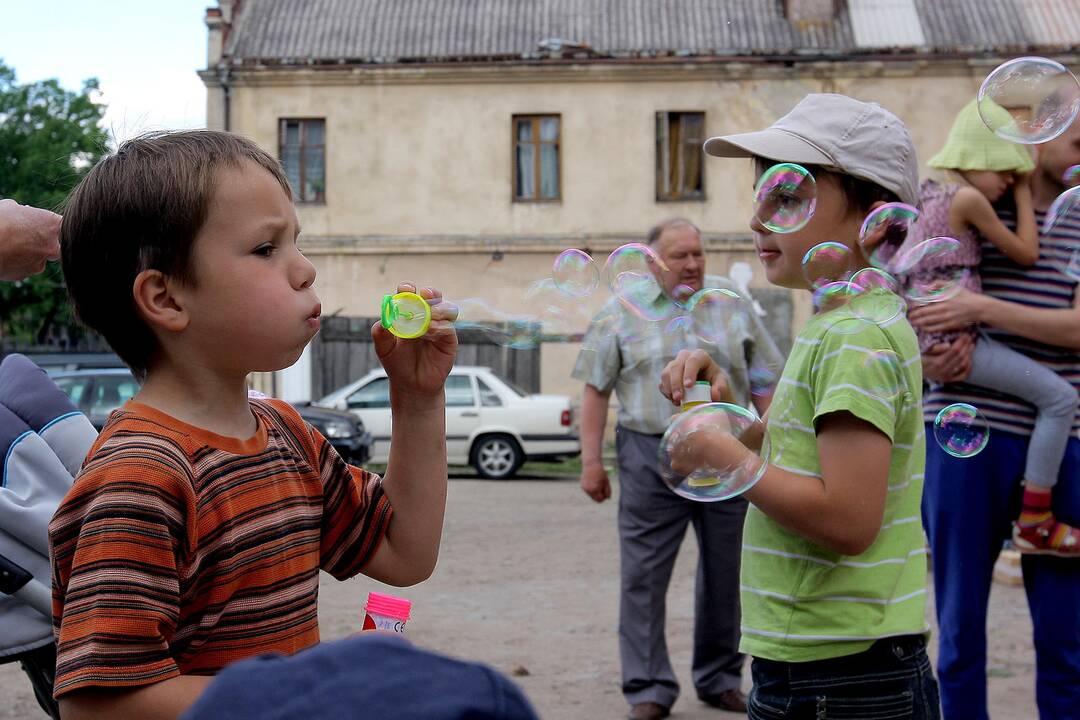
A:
(386, 612)
(699, 394)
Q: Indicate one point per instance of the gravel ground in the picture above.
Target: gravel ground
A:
(528, 582)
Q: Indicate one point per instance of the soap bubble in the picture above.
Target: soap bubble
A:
(1071, 177)
(883, 374)
(562, 317)
(884, 231)
(961, 430)
(714, 311)
(575, 273)
(713, 422)
(1029, 100)
(875, 296)
(629, 272)
(833, 295)
(825, 263)
(679, 324)
(518, 332)
(681, 295)
(1066, 207)
(785, 198)
(933, 269)
(1072, 267)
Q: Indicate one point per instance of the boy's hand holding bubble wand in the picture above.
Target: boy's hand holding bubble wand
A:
(417, 370)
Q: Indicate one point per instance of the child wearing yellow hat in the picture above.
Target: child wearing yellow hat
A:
(985, 168)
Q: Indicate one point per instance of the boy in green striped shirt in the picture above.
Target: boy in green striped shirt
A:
(833, 567)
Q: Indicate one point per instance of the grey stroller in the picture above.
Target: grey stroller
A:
(43, 440)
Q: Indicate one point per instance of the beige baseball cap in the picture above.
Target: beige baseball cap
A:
(839, 133)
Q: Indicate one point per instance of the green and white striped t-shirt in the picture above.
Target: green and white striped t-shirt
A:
(801, 601)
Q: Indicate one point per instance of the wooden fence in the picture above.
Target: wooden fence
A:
(343, 351)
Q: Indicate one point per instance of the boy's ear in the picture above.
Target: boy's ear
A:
(157, 303)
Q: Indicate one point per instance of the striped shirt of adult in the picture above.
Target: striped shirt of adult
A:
(628, 344)
(178, 551)
(1047, 284)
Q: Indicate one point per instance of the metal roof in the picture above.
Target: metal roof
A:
(383, 31)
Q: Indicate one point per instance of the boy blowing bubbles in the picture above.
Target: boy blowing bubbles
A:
(195, 533)
(833, 568)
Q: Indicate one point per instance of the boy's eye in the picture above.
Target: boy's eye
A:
(265, 250)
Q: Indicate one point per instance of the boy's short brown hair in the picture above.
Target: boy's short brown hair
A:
(142, 209)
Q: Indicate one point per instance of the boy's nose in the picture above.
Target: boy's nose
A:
(757, 227)
(304, 273)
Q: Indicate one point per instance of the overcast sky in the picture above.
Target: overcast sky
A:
(145, 53)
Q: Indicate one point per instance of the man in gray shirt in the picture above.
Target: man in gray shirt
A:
(623, 353)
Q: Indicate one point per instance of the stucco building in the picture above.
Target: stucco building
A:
(464, 143)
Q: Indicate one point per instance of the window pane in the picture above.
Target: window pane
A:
(663, 156)
(549, 171)
(488, 397)
(524, 130)
(375, 394)
(549, 129)
(73, 387)
(314, 181)
(315, 132)
(290, 160)
(693, 124)
(292, 133)
(459, 391)
(523, 183)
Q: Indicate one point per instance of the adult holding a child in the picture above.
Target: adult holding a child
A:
(970, 504)
(622, 354)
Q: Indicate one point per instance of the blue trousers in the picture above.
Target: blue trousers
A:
(968, 507)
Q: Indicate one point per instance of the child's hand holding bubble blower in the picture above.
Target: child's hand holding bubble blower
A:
(416, 368)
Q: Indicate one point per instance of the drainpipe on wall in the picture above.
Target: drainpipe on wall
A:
(223, 78)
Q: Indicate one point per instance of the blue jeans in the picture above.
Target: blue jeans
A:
(892, 680)
(968, 507)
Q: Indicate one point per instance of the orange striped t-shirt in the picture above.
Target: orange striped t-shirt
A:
(178, 551)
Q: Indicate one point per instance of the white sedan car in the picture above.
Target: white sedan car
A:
(490, 424)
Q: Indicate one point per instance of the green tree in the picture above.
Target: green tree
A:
(49, 138)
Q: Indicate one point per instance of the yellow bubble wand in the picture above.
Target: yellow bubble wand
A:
(406, 315)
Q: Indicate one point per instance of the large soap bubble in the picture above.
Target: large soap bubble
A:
(934, 270)
(575, 273)
(961, 430)
(713, 422)
(883, 232)
(785, 198)
(1064, 209)
(714, 311)
(1029, 100)
(630, 272)
(825, 263)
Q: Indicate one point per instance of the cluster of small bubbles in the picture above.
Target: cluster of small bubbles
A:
(883, 232)
(714, 312)
(1071, 176)
(630, 273)
(826, 263)
(1029, 100)
(785, 198)
(1065, 208)
(961, 430)
(575, 273)
(706, 424)
(933, 270)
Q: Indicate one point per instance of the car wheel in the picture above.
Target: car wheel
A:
(497, 457)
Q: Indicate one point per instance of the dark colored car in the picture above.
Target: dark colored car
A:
(97, 392)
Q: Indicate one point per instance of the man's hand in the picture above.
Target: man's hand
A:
(688, 367)
(949, 362)
(595, 481)
(29, 237)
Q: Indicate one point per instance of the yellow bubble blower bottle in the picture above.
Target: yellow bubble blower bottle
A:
(406, 315)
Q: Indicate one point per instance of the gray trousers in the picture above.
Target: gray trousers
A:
(999, 367)
(652, 524)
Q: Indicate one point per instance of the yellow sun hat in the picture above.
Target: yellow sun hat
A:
(971, 145)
